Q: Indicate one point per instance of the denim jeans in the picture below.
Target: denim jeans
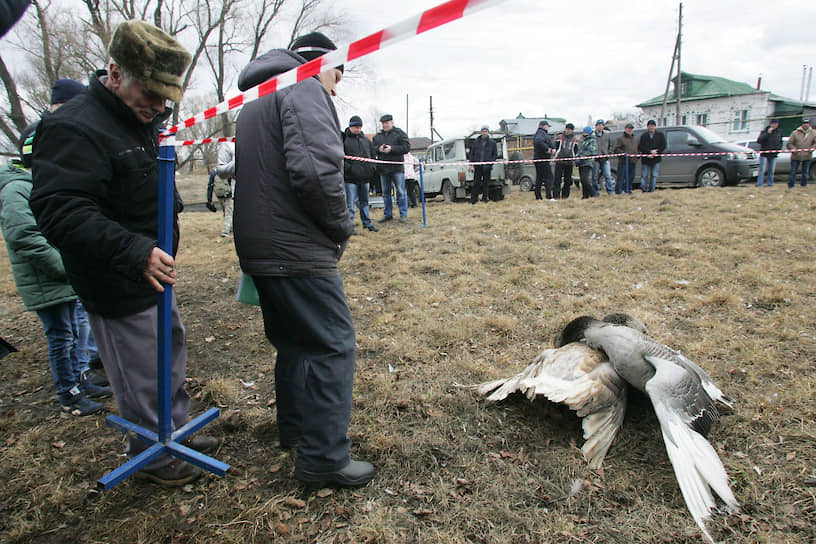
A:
(360, 194)
(85, 341)
(622, 184)
(766, 164)
(805, 172)
(606, 168)
(648, 176)
(59, 322)
(398, 180)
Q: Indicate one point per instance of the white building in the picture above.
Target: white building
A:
(734, 110)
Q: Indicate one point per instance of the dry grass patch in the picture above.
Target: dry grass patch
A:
(727, 276)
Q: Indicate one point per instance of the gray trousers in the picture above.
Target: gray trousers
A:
(128, 347)
(309, 322)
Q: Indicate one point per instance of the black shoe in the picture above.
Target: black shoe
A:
(75, 403)
(97, 379)
(96, 364)
(355, 474)
(93, 391)
(372, 228)
(289, 444)
(175, 474)
(202, 444)
(386, 219)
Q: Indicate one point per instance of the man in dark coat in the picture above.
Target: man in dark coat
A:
(652, 143)
(543, 148)
(291, 226)
(358, 174)
(770, 140)
(483, 150)
(95, 198)
(566, 147)
(391, 144)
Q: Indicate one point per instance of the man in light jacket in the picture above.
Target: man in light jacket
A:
(224, 184)
(801, 138)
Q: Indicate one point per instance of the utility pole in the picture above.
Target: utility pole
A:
(675, 57)
(679, 84)
(433, 130)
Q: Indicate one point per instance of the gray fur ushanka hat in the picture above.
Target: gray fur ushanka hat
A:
(152, 57)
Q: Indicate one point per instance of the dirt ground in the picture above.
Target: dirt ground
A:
(727, 276)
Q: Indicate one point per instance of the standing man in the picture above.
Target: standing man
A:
(587, 148)
(291, 227)
(391, 144)
(801, 138)
(626, 143)
(769, 140)
(95, 193)
(566, 146)
(225, 183)
(602, 164)
(652, 143)
(543, 148)
(357, 174)
(482, 150)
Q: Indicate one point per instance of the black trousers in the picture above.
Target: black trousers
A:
(543, 175)
(308, 321)
(587, 188)
(481, 183)
(563, 171)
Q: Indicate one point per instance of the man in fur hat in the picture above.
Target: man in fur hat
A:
(95, 193)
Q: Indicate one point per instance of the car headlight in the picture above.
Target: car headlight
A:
(737, 156)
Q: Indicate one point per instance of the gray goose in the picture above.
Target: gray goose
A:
(589, 371)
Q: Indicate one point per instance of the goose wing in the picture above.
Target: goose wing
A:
(682, 407)
(581, 378)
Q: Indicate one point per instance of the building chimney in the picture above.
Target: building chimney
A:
(759, 82)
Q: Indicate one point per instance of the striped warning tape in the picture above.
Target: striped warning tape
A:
(408, 28)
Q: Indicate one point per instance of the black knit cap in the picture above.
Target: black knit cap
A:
(64, 90)
(313, 45)
(355, 121)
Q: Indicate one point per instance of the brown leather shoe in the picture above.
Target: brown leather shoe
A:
(202, 443)
(175, 474)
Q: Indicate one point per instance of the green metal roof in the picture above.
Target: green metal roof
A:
(700, 87)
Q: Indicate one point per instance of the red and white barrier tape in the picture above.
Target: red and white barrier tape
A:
(408, 28)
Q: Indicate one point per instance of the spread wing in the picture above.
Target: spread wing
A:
(581, 378)
(684, 408)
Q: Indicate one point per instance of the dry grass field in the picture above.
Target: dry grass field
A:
(728, 276)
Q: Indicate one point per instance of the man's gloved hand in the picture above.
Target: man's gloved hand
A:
(211, 207)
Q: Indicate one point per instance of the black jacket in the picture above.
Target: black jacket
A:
(542, 144)
(290, 202)
(646, 145)
(95, 197)
(357, 145)
(770, 141)
(400, 145)
(483, 150)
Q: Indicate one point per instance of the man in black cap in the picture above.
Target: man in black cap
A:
(358, 174)
(652, 144)
(543, 148)
(291, 226)
(95, 197)
(391, 144)
(628, 144)
(483, 150)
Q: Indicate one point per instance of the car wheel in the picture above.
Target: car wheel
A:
(448, 191)
(710, 176)
(525, 184)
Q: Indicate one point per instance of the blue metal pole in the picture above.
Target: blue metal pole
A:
(422, 194)
(626, 158)
(167, 175)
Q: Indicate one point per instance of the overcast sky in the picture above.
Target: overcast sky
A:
(576, 59)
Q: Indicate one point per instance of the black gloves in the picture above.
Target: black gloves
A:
(211, 207)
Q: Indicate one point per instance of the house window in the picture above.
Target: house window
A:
(683, 89)
(684, 120)
(702, 119)
(664, 122)
(740, 121)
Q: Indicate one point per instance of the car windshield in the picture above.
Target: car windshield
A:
(709, 136)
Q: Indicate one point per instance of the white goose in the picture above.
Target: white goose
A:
(588, 371)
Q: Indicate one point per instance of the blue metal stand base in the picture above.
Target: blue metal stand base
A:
(164, 442)
(171, 447)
